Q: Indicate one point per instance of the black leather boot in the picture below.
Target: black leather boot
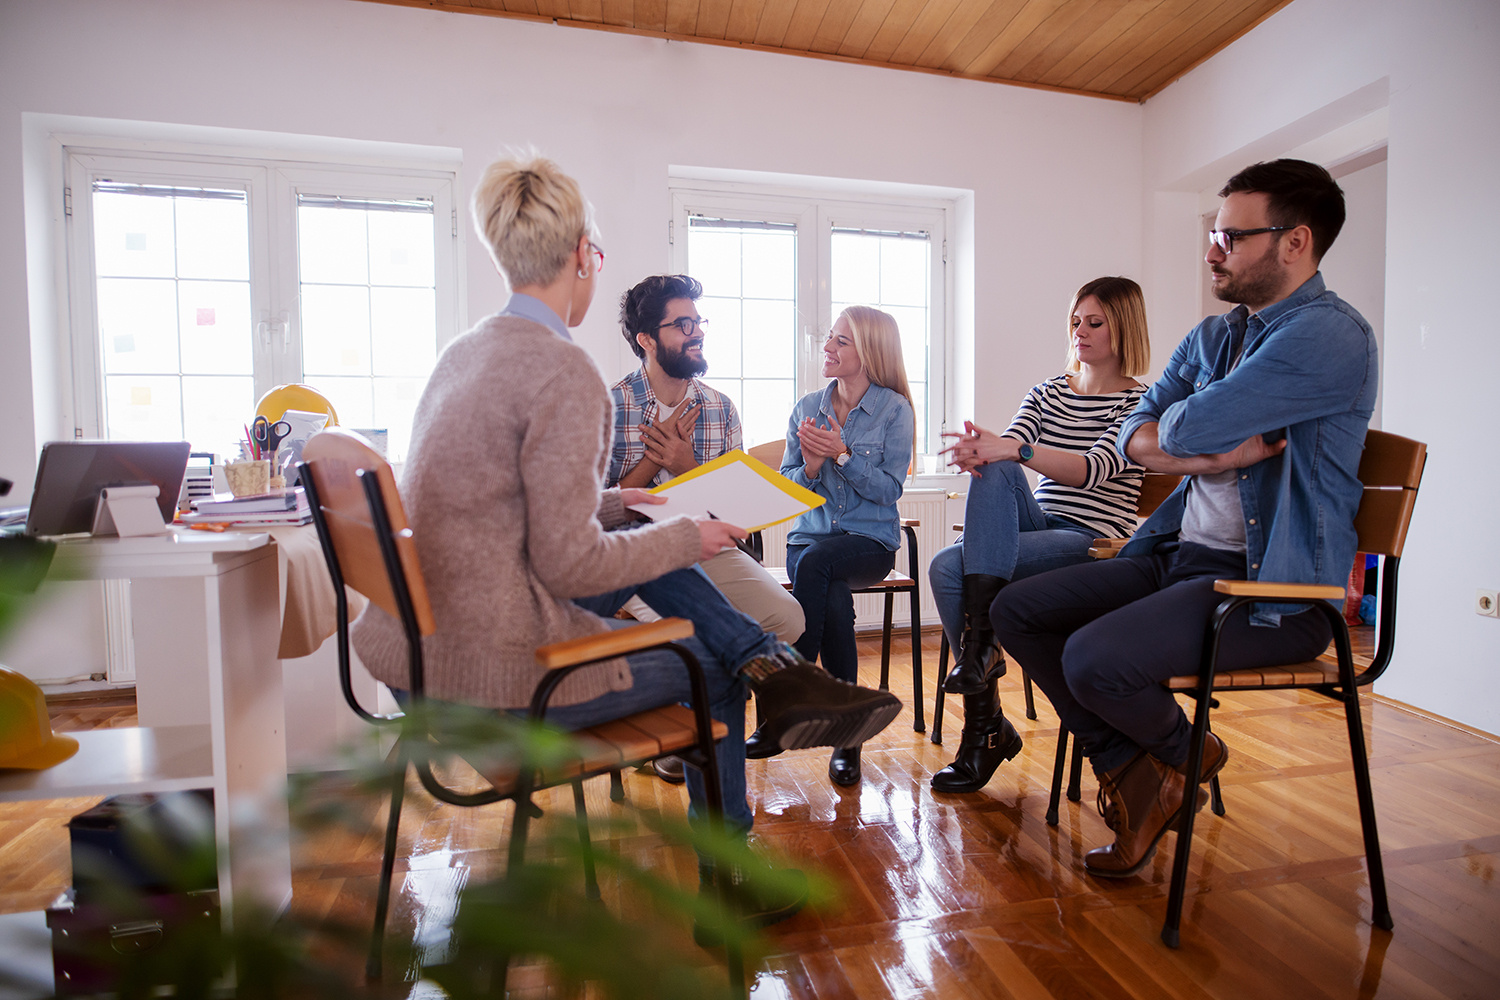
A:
(988, 741)
(978, 658)
(802, 706)
(843, 766)
(758, 746)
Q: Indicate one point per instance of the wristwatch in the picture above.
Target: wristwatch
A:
(1027, 451)
(843, 458)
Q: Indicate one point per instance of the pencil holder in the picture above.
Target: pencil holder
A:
(248, 478)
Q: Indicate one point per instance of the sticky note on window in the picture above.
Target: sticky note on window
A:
(135, 241)
(206, 317)
(140, 395)
(125, 343)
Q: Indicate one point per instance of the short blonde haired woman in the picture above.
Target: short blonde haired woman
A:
(504, 491)
(851, 443)
(1065, 430)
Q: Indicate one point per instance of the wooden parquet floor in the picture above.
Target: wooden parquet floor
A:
(960, 897)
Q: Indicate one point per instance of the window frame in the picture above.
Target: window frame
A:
(271, 184)
(817, 213)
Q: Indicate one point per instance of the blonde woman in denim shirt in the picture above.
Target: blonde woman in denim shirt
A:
(850, 443)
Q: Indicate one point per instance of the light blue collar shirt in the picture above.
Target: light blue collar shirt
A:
(530, 307)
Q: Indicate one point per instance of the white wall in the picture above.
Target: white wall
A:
(615, 110)
(1310, 70)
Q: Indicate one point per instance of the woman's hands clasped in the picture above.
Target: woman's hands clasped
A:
(975, 446)
(819, 443)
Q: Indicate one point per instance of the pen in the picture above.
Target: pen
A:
(737, 543)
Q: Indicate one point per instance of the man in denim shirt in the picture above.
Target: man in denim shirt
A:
(1264, 411)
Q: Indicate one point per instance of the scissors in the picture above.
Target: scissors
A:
(268, 436)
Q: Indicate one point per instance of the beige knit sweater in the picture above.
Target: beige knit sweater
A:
(503, 486)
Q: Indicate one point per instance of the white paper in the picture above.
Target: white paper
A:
(734, 493)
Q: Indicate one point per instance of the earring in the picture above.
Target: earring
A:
(582, 273)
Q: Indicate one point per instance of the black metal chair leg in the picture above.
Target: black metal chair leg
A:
(1030, 699)
(1380, 909)
(387, 865)
(940, 697)
(1215, 796)
(581, 817)
(885, 642)
(917, 723)
(1171, 927)
(616, 786)
(1075, 774)
(1057, 776)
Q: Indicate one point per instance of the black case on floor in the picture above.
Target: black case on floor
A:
(93, 944)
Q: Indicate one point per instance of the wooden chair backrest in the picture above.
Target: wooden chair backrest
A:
(1155, 488)
(334, 458)
(769, 453)
(1391, 471)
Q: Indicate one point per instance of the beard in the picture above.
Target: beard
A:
(1257, 282)
(677, 364)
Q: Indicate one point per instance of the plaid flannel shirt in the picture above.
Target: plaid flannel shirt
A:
(716, 431)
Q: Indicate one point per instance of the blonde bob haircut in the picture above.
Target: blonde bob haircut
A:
(1124, 307)
(878, 342)
(531, 216)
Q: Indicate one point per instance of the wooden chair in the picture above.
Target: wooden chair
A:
(370, 547)
(1391, 471)
(895, 582)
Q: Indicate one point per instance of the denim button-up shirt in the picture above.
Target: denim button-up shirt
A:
(1309, 373)
(861, 494)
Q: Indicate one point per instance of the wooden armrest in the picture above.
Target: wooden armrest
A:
(958, 527)
(1271, 590)
(1110, 543)
(616, 642)
(1102, 552)
(910, 522)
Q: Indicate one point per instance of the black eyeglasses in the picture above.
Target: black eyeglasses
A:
(685, 325)
(1224, 238)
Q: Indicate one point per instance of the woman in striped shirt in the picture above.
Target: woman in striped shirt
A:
(1065, 430)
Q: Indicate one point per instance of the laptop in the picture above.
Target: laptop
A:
(71, 474)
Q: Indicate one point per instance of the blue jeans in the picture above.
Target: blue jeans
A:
(824, 576)
(1006, 534)
(723, 640)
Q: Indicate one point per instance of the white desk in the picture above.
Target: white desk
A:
(221, 650)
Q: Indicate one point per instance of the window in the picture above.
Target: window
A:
(200, 284)
(777, 269)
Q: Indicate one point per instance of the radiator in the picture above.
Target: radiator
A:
(938, 513)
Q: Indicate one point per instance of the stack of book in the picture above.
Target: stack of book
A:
(281, 507)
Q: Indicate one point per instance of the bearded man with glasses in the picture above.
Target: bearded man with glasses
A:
(667, 422)
(1263, 410)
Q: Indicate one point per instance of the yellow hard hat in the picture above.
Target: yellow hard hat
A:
(295, 397)
(26, 737)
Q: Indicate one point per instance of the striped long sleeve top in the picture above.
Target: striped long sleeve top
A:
(1053, 414)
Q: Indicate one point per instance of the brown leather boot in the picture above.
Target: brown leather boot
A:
(1140, 802)
(1215, 755)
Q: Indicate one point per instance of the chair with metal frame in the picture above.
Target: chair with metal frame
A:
(1391, 471)
(895, 582)
(369, 547)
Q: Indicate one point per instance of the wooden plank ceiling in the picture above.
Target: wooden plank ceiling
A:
(1122, 49)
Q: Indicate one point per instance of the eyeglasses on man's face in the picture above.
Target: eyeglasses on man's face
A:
(1224, 238)
(686, 324)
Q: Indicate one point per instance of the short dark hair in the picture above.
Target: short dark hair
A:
(642, 308)
(1299, 194)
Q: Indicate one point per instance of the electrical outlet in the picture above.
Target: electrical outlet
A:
(1487, 603)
